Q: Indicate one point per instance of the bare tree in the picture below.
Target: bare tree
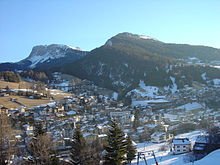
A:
(6, 139)
(42, 148)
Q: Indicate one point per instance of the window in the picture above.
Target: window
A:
(184, 150)
(184, 146)
(177, 146)
(178, 150)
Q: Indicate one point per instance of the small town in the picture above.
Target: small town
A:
(151, 117)
(117, 82)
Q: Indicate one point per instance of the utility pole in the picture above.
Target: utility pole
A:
(139, 156)
(144, 157)
(155, 158)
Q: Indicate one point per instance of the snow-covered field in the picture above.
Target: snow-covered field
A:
(211, 159)
(164, 157)
(145, 91)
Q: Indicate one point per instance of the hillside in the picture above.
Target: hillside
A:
(156, 47)
(126, 59)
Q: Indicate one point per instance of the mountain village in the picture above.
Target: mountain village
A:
(152, 115)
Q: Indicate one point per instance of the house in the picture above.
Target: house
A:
(59, 108)
(206, 143)
(159, 137)
(3, 94)
(202, 144)
(3, 110)
(28, 127)
(122, 116)
(180, 145)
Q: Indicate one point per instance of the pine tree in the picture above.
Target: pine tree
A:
(116, 147)
(136, 122)
(39, 130)
(78, 148)
(130, 150)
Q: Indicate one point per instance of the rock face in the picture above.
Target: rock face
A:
(53, 55)
(46, 56)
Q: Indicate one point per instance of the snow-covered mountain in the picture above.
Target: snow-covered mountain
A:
(46, 56)
(52, 55)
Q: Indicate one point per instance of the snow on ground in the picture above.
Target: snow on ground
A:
(203, 76)
(63, 85)
(157, 101)
(146, 37)
(56, 92)
(170, 116)
(145, 91)
(193, 58)
(164, 157)
(216, 66)
(174, 86)
(216, 81)
(211, 159)
(126, 65)
(146, 102)
(52, 104)
(141, 103)
(115, 96)
(190, 106)
(150, 91)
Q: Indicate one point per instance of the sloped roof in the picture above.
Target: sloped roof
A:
(181, 141)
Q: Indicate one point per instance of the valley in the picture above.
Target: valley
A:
(155, 92)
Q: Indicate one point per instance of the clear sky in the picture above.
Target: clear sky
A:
(89, 23)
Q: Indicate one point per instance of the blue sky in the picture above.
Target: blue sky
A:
(89, 23)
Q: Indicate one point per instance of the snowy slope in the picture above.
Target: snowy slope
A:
(147, 37)
(49, 53)
(165, 157)
(211, 159)
(145, 91)
(151, 92)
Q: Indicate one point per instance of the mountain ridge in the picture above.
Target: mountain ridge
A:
(126, 59)
(46, 56)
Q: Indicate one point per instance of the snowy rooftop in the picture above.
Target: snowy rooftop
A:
(181, 141)
(71, 113)
(158, 133)
(190, 106)
(202, 139)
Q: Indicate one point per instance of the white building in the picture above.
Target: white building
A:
(122, 116)
(159, 137)
(181, 145)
